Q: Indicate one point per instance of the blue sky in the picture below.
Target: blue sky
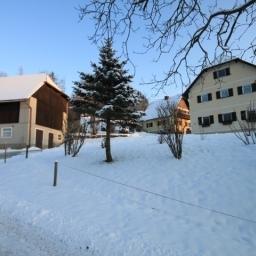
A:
(46, 35)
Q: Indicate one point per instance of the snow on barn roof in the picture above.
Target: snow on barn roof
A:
(151, 111)
(15, 88)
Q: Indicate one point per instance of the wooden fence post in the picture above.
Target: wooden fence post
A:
(55, 176)
(27, 151)
(5, 153)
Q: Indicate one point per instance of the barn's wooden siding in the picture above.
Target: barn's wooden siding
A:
(50, 107)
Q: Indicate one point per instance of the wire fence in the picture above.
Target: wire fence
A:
(159, 195)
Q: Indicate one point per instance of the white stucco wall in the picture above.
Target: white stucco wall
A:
(19, 130)
(240, 74)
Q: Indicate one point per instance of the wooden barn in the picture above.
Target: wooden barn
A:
(33, 111)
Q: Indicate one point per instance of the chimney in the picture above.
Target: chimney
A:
(166, 97)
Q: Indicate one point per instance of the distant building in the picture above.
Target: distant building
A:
(33, 111)
(152, 123)
(220, 97)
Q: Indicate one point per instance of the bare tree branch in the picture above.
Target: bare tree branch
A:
(177, 29)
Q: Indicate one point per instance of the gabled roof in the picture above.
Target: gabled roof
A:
(151, 111)
(185, 94)
(22, 87)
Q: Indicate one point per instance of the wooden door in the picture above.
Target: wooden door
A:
(39, 139)
(50, 140)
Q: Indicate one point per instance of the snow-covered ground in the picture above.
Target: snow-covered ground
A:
(13, 152)
(19, 150)
(144, 203)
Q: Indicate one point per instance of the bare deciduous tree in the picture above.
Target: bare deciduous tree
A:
(74, 137)
(171, 133)
(246, 130)
(178, 28)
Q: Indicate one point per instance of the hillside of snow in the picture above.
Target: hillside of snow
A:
(145, 203)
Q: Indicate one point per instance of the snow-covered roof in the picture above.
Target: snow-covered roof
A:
(151, 111)
(15, 88)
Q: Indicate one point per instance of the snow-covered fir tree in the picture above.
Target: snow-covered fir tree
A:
(107, 92)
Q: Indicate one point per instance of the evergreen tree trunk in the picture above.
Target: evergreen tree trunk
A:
(93, 125)
(107, 145)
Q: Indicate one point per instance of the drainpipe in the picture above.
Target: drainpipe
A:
(30, 124)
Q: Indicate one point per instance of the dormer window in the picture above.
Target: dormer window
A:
(221, 73)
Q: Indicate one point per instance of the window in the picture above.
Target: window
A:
(161, 122)
(224, 93)
(204, 98)
(227, 118)
(249, 115)
(59, 137)
(149, 125)
(221, 73)
(6, 132)
(206, 121)
(246, 89)
(243, 115)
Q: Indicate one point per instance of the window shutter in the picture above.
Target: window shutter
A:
(251, 116)
(243, 115)
(218, 95)
(227, 71)
(233, 116)
(254, 87)
(211, 119)
(209, 96)
(230, 92)
(199, 99)
(200, 120)
(215, 75)
(220, 118)
(239, 90)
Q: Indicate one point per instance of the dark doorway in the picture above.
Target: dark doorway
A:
(50, 140)
(39, 139)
